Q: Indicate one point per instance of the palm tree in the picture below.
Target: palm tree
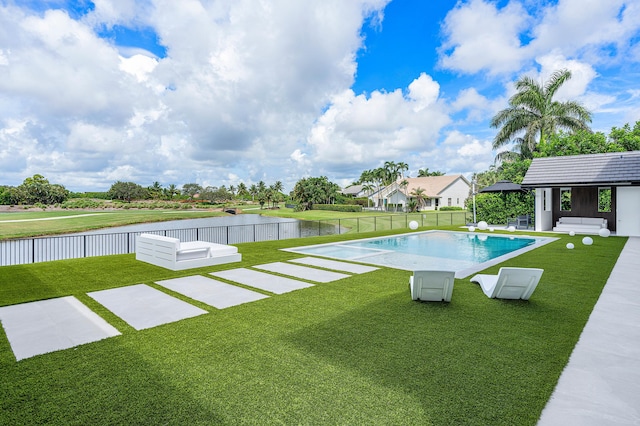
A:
(242, 189)
(533, 112)
(403, 187)
(425, 172)
(418, 194)
(253, 191)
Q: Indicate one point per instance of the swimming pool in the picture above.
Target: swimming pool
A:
(463, 252)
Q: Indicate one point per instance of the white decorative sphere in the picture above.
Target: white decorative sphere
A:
(491, 229)
(604, 232)
(570, 246)
(587, 241)
(572, 233)
(472, 229)
(413, 225)
(482, 225)
(511, 228)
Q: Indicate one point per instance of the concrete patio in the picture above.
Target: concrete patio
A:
(601, 383)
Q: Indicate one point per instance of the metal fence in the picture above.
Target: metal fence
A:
(44, 249)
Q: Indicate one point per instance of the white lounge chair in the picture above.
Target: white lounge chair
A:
(432, 286)
(510, 283)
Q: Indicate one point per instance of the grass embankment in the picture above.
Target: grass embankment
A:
(33, 224)
(355, 351)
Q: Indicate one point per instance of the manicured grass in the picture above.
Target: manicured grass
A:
(86, 220)
(355, 351)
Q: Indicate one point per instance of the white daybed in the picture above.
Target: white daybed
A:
(580, 225)
(170, 253)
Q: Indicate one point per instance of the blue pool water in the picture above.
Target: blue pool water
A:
(463, 252)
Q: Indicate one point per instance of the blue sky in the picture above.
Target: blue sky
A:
(229, 91)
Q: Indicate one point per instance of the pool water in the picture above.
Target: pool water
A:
(463, 252)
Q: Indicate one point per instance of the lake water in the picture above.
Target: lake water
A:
(241, 219)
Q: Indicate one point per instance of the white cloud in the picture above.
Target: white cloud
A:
(357, 129)
(479, 36)
(241, 85)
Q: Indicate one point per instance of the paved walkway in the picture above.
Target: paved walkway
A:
(601, 383)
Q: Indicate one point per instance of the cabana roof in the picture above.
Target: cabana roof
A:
(612, 168)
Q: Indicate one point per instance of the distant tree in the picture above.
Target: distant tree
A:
(314, 190)
(155, 190)
(127, 191)
(170, 192)
(242, 190)
(215, 195)
(253, 191)
(191, 189)
(419, 196)
(425, 173)
(37, 189)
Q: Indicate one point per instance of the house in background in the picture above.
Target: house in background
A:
(603, 186)
(439, 191)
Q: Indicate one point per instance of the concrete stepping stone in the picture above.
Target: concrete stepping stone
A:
(45, 326)
(143, 307)
(212, 292)
(263, 281)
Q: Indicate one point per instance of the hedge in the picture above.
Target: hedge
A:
(338, 207)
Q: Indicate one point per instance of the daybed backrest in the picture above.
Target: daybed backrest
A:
(157, 246)
(516, 283)
(594, 221)
(433, 285)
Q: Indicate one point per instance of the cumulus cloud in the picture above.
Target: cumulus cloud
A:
(481, 37)
(357, 129)
(241, 83)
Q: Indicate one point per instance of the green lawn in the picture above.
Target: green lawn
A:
(355, 351)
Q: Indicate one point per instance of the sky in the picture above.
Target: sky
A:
(222, 92)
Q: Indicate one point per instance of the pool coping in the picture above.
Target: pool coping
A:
(462, 273)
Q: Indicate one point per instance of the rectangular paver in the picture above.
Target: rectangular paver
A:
(143, 307)
(269, 282)
(212, 292)
(334, 264)
(311, 274)
(45, 326)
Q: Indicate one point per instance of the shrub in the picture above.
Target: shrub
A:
(450, 208)
(338, 207)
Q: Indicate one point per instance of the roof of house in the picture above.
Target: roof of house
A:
(352, 190)
(433, 185)
(588, 169)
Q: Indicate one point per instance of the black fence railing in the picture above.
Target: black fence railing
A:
(45, 249)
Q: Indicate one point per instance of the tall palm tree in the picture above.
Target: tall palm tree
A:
(403, 187)
(533, 113)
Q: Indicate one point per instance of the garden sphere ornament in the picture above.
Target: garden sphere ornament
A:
(587, 241)
(413, 225)
(482, 225)
(572, 233)
(570, 246)
(511, 228)
(604, 232)
(472, 229)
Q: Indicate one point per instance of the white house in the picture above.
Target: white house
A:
(438, 191)
(605, 186)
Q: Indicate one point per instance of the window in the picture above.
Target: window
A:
(457, 201)
(428, 202)
(565, 199)
(449, 202)
(604, 200)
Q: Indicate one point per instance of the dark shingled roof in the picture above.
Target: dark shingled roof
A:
(609, 168)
